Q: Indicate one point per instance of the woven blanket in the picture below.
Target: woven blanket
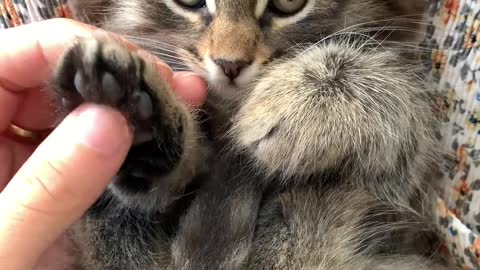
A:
(452, 56)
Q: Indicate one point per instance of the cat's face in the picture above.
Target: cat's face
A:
(235, 38)
(229, 41)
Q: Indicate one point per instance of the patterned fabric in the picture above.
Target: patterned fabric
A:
(17, 12)
(452, 44)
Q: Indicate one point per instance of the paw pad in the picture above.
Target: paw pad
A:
(110, 75)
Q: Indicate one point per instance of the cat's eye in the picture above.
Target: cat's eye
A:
(192, 3)
(286, 7)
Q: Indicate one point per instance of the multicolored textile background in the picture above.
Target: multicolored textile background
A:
(452, 53)
(17, 12)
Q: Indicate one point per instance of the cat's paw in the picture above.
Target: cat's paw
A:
(102, 71)
(331, 107)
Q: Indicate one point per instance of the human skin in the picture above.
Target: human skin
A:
(46, 186)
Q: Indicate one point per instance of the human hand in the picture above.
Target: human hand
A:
(45, 188)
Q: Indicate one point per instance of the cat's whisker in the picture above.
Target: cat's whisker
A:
(167, 56)
(360, 27)
(393, 19)
(152, 41)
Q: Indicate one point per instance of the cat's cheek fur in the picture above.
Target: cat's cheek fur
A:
(360, 109)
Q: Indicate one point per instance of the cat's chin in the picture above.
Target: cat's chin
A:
(230, 90)
(225, 91)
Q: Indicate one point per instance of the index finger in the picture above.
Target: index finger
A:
(28, 58)
(31, 51)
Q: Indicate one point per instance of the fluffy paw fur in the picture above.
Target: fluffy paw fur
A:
(341, 108)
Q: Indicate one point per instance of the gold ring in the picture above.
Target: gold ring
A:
(25, 135)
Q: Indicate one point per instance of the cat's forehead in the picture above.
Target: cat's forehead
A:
(238, 7)
(236, 4)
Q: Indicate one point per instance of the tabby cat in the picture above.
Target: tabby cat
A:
(314, 150)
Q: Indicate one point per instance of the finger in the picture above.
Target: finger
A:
(13, 155)
(40, 45)
(190, 88)
(35, 111)
(26, 63)
(9, 103)
(6, 156)
(62, 178)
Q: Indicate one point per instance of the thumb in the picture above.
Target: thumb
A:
(63, 177)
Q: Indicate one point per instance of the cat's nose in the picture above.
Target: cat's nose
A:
(231, 68)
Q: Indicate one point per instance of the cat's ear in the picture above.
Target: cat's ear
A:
(93, 12)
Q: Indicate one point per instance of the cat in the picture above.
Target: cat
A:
(315, 149)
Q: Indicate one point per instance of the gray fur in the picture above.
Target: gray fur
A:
(323, 157)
